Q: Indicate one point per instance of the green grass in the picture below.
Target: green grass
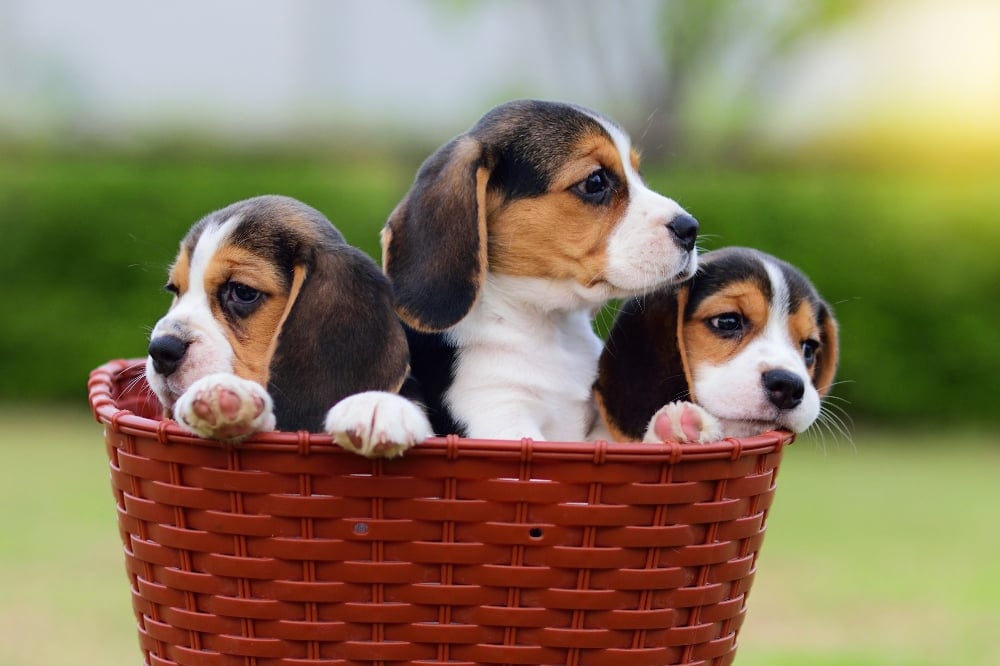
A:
(880, 553)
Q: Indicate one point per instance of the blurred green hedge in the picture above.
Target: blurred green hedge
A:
(908, 260)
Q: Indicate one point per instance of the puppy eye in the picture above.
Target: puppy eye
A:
(240, 299)
(243, 294)
(729, 324)
(595, 188)
(172, 288)
(809, 349)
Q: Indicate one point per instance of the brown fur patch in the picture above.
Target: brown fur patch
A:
(253, 339)
(615, 433)
(803, 325)
(702, 345)
(558, 235)
(180, 271)
(828, 355)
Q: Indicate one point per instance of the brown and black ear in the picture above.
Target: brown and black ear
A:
(643, 366)
(434, 244)
(829, 351)
(341, 336)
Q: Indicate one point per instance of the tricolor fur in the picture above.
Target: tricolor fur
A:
(511, 237)
(275, 318)
(747, 339)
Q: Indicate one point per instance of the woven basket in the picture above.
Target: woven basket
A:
(286, 550)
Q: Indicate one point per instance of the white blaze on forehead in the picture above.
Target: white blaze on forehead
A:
(779, 294)
(624, 146)
(196, 299)
(776, 330)
(773, 347)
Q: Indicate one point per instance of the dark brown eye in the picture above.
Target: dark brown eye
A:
(595, 188)
(243, 294)
(240, 300)
(728, 324)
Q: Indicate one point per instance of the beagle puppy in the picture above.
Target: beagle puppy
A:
(275, 318)
(511, 237)
(747, 345)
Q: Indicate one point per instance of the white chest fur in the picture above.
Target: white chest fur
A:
(525, 361)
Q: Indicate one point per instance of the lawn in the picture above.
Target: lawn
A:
(879, 552)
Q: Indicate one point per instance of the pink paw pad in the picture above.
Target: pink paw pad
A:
(690, 423)
(225, 408)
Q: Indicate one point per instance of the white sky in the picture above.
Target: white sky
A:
(238, 67)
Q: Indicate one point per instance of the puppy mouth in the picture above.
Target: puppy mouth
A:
(166, 391)
(166, 387)
(684, 271)
(763, 425)
(648, 280)
(758, 420)
(689, 268)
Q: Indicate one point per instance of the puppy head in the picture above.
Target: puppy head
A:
(268, 290)
(748, 338)
(536, 190)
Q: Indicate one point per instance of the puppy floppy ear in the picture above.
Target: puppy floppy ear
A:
(644, 365)
(829, 351)
(434, 244)
(340, 336)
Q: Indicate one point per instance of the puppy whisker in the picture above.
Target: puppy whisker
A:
(833, 421)
(138, 385)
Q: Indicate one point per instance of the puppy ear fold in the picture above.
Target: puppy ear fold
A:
(829, 351)
(341, 336)
(434, 244)
(682, 359)
(642, 367)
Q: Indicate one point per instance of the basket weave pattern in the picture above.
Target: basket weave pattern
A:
(285, 550)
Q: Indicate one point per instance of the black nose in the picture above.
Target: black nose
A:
(685, 230)
(167, 352)
(784, 389)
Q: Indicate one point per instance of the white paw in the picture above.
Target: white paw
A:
(377, 424)
(225, 407)
(683, 422)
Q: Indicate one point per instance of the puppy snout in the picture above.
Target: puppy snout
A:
(167, 351)
(685, 230)
(784, 389)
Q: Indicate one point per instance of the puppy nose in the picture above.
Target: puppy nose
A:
(167, 352)
(784, 389)
(685, 230)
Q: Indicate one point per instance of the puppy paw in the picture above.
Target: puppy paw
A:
(683, 422)
(225, 407)
(377, 424)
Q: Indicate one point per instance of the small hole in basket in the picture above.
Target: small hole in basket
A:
(536, 532)
(361, 528)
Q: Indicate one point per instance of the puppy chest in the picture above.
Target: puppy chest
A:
(529, 380)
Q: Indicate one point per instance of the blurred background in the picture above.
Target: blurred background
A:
(859, 140)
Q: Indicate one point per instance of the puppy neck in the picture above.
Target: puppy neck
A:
(544, 296)
(530, 310)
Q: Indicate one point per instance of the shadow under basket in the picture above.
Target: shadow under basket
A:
(286, 550)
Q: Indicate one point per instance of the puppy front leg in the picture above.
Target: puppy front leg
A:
(377, 424)
(225, 407)
(683, 422)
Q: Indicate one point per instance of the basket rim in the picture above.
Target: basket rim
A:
(105, 409)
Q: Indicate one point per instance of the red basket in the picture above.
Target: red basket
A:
(286, 550)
